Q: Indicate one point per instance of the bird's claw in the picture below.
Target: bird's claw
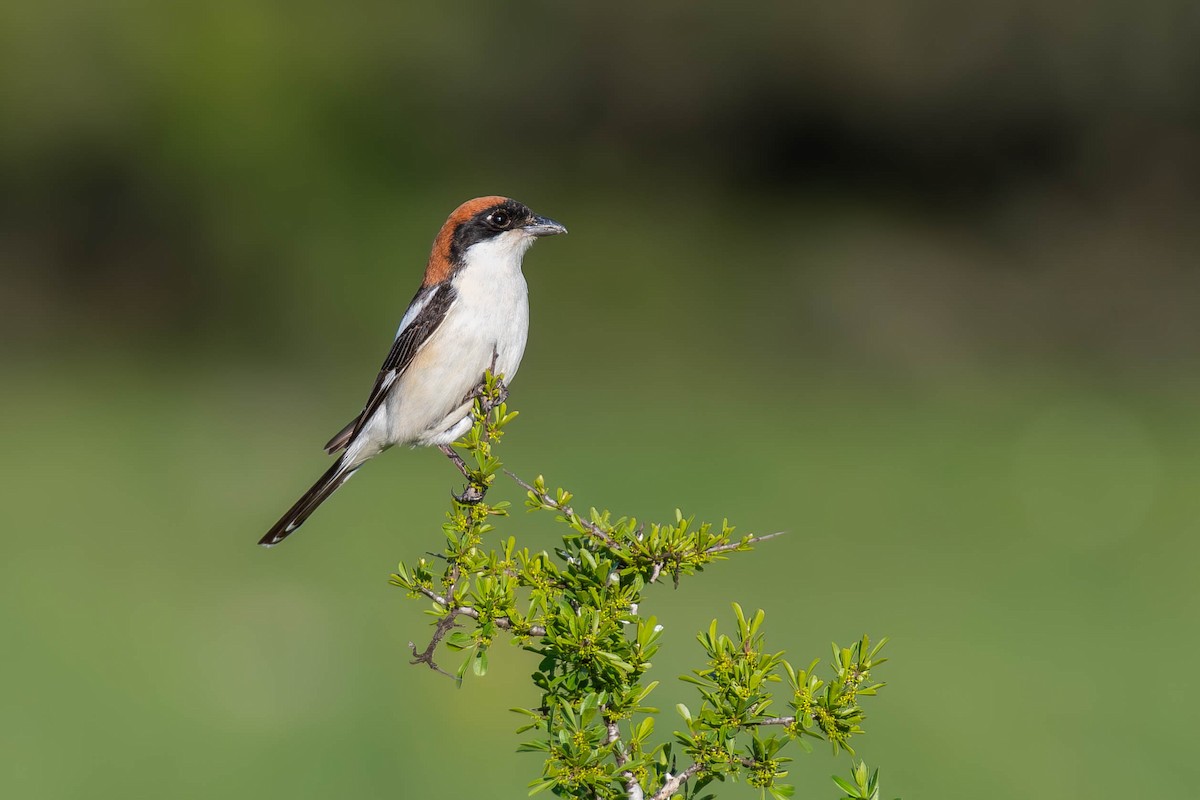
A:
(501, 394)
(479, 392)
(471, 495)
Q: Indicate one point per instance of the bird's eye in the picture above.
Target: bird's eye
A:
(499, 219)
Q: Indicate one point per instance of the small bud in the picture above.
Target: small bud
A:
(658, 628)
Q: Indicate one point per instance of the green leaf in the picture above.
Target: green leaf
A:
(539, 745)
(845, 786)
(541, 786)
(643, 729)
(741, 618)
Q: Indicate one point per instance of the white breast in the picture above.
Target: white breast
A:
(490, 315)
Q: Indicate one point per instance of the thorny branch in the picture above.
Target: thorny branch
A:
(674, 551)
(475, 490)
(426, 656)
(725, 548)
(565, 510)
(773, 721)
(439, 632)
(672, 784)
(598, 533)
(503, 623)
(613, 735)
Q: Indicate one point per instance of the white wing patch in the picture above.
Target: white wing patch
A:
(418, 304)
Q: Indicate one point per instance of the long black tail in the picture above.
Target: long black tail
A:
(306, 505)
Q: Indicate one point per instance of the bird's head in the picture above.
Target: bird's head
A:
(493, 228)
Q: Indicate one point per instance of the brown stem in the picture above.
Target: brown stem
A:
(439, 632)
(633, 789)
(671, 786)
(596, 532)
(773, 721)
(503, 623)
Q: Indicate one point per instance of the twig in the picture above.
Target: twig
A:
(456, 459)
(439, 632)
(657, 567)
(567, 511)
(504, 623)
(612, 734)
(724, 548)
(671, 785)
(476, 490)
(633, 789)
(773, 721)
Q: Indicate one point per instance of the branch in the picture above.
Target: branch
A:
(773, 721)
(476, 490)
(612, 734)
(567, 511)
(426, 657)
(597, 532)
(723, 548)
(503, 623)
(632, 788)
(671, 785)
(439, 632)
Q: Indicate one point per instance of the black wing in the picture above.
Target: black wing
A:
(426, 313)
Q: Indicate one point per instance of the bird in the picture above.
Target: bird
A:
(470, 315)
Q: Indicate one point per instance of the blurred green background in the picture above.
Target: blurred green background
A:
(916, 282)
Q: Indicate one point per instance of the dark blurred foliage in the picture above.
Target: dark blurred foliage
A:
(1004, 175)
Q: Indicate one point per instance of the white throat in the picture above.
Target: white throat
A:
(499, 255)
(490, 279)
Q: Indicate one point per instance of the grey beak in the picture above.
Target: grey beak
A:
(544, 226)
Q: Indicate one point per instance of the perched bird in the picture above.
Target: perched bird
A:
(471, 314)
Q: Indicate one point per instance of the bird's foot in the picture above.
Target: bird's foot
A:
(501, 395)
(471, 495)
(480, 393)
